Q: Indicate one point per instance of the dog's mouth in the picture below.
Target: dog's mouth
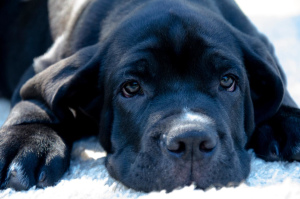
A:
(153, 170)
(178, 152)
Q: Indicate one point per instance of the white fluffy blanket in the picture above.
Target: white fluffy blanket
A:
(88, 178)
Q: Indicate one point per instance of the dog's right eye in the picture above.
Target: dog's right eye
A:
(131, 89)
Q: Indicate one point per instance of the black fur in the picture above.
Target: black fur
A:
(24, 34)
(182, 126)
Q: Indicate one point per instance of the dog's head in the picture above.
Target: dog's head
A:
(180, 88)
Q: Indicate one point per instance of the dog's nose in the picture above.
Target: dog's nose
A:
(192, 144)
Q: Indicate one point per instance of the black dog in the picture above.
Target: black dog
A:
(176, 90)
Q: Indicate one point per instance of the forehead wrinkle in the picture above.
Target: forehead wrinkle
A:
(183, 39)
(139, 51)
(139, 71)
(135, 60)
(160, 52)
(222, 61)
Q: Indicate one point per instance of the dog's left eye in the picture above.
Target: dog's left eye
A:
(228, 83)
(131, 89)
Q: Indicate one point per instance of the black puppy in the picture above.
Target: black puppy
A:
(176, 90)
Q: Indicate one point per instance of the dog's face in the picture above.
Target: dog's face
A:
(175, 99)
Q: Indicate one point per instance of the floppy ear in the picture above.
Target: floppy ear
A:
(75, 83)
(69, 84)
(265, 79)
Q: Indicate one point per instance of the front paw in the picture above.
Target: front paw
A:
(279, 137)
(31, 155)
(266, 144)
(289, 120)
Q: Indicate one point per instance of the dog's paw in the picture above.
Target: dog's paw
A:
(31, 155)
(279, 137)
(265, 144)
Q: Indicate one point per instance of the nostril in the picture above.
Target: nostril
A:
(178, 147)
(206, 146)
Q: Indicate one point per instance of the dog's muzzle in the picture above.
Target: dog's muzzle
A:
(191, 137)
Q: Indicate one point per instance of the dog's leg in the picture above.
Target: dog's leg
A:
(34, 149)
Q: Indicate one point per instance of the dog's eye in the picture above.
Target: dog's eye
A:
(131, 89)
(228, 83)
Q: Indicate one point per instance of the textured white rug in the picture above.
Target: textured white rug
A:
(88, 178)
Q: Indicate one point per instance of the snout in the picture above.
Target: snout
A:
(193, 144)
(191, 137)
